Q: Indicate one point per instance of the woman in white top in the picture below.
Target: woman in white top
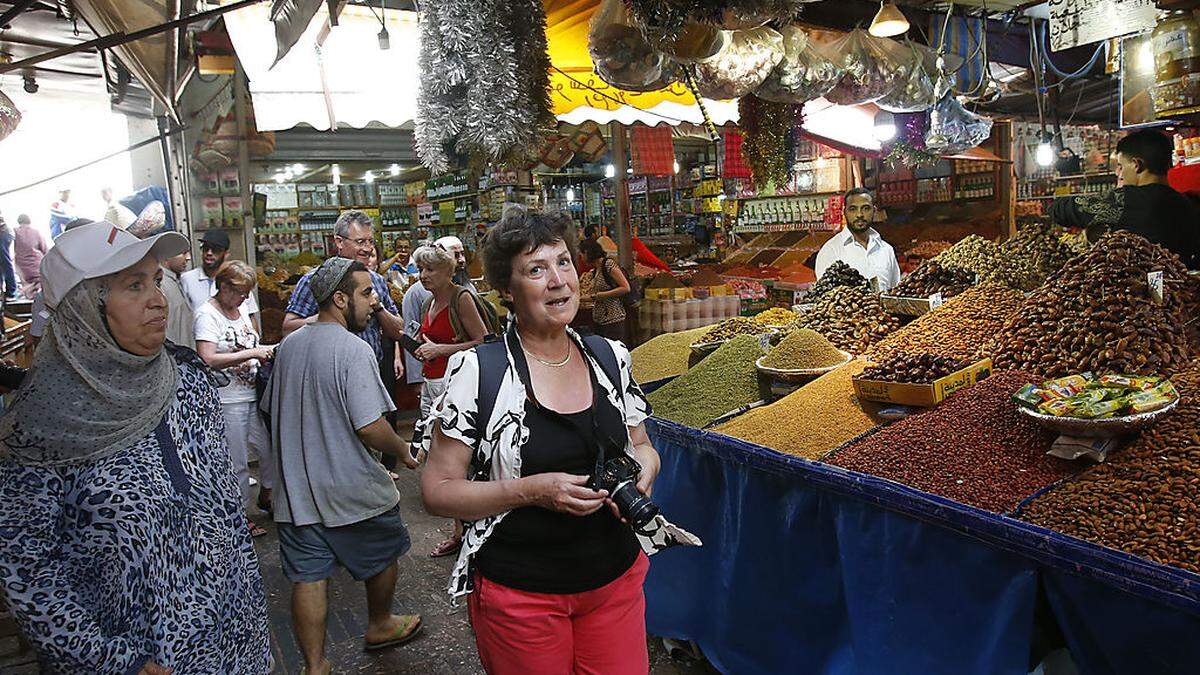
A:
(227, 341)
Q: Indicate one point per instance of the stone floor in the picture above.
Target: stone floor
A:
(445, 646)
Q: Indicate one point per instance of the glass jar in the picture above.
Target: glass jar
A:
(1176, 41)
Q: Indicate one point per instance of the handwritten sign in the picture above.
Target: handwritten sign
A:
(1081, 22)
(1155, 279)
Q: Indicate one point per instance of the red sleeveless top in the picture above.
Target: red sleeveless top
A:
(439, 329)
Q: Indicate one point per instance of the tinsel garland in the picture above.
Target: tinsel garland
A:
(484, 88)
(766, 130)
(903, 153)
(909, 147)
(663, 21)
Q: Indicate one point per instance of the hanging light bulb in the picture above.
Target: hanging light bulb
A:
(570, 194)
(394, 169)
(610, 171)
(287, 173)
(1045, 151)
(885, 126)
(297, 168)
(675, 166)
(889, 21)
(369, 177)
(279, 178)
(337, 175)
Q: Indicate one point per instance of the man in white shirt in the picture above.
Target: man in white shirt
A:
(198, 283)
(859, 245)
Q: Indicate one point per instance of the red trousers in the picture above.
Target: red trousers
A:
(600, 632)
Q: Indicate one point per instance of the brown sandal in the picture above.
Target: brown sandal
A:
(410, 627)
(448, 547)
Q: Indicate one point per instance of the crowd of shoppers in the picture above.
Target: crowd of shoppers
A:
(150, 444)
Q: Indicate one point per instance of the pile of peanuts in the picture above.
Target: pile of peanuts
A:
(851, 318)
(1097, 315)
(974, 448)
(1145, 500)
(957, 328)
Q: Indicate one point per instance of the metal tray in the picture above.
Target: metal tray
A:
(1113, 426)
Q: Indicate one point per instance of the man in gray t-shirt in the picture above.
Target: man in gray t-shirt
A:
(334, 504)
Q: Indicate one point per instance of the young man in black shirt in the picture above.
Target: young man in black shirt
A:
(1144, 204)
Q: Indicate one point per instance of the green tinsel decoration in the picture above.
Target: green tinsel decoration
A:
(766, 129)
(903, 153)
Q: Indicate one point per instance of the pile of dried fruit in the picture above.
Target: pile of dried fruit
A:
(914, 368)
(837, 275)
(803, 349)
(851, 318)
(723, 382)
(931, 277)
(1145, 499)
(1097, 315)
(776, 316)
(928, 249)
(664, 356)
(812, 420)
(729, 328)
(974, 448)
(1015, 271)
(974, 254)
(958, 328)
(1043, 245)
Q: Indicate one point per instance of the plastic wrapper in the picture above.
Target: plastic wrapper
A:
(746, 14)
(10, 117)
(622, 56)
(806, 71)
(696, 42)
(742, 66)
(953, 129)
(917, 91)
(871, 68)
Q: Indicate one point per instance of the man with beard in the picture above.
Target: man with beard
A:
(859, 245)
(354, 239)
(454, 246)
(198, 284)
(334, 504)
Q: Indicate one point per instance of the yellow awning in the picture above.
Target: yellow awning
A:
(578, 95)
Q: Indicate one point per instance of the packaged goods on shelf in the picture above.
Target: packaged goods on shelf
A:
(1098, 314)
(812, 420)
(851, 318)
(974, 448)
(723, 382)
(1144, 499)
(665, 355)
(958, 329)
(671, 316)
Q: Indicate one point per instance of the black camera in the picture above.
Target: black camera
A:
(619, 477)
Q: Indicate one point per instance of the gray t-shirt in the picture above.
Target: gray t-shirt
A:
(325, 385)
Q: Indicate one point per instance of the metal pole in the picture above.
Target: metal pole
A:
(622, 230)
(240, 112)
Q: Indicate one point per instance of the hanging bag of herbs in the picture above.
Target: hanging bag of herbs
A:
(806, 71)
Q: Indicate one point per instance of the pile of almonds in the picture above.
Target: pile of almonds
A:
(851, 318)
(1097, 315)
(958, 328)
(914, 368)
(1145, 500)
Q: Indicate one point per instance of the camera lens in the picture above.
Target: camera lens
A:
(634, 506)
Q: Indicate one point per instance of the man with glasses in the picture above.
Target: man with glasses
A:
(198, 284)
(354, 238)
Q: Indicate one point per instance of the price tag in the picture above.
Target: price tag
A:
(764, 341)
(1155, 279)
(935, 301)
(874, 284)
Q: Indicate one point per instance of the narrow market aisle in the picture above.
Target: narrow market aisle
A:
(446, 644)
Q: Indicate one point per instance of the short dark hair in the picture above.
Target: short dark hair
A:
(589, 232)
(591, 250)
(1152, 147)
(522, 230)
(346, 285)
(858, 191)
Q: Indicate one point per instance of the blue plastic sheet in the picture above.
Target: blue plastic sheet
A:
(810, 568)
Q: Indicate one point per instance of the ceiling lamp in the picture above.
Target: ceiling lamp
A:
(369, 177)
(885, 126)
(337, 175)
(394, 169)
(610, 171)
(1045, 150)
(889, 21)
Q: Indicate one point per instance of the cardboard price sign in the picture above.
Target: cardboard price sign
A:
(1081, 22)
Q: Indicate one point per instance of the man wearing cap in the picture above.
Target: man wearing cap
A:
(334, 504)
(198, 284)
(354, 239)
(454, 246)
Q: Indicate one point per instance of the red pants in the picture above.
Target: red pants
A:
(600, 632)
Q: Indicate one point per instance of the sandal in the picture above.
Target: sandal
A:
(394, 476)
(448, 547)
(410, 627)
(255, 530)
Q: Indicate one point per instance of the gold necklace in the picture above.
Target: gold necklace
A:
(550, 364)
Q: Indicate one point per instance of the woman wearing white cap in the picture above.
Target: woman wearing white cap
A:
(123, 544)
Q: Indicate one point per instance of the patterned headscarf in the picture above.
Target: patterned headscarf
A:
(84, 397)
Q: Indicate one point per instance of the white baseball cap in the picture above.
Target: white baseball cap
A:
(99, 249)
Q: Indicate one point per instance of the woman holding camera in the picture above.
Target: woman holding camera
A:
(556, 575)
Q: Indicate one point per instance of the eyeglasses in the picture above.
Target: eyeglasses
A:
(361, 243)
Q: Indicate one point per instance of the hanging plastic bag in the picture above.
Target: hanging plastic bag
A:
(953, 128)
(806, 71)
(622, 56)
(747, 14)
(870, 68)
(916, 91)
(742, 66)
(695, 42)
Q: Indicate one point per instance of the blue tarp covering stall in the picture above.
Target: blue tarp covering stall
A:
(810, 568)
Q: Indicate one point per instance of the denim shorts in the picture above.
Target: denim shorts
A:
(311, 552)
